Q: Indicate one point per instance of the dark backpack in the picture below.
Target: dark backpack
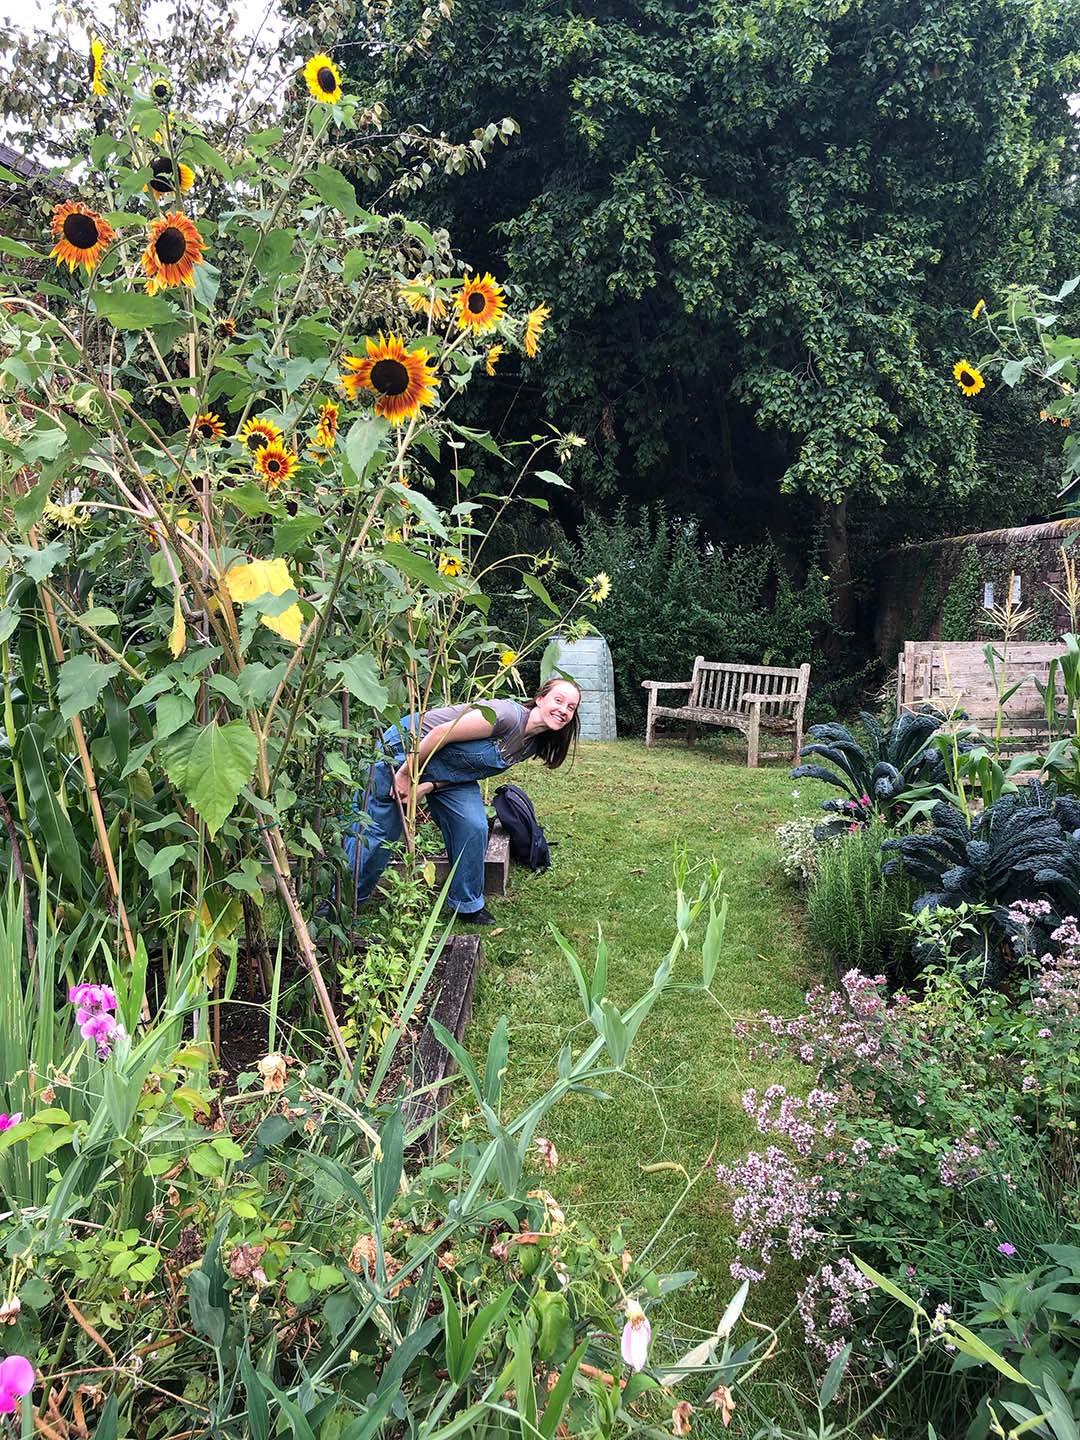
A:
(528, 843)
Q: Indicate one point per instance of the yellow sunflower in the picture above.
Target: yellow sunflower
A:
(81, 235)
(327, 428)
(979, 308)
(480, 304)
(492, 358)
(257, 433)
(403, 379)
(323, 79)
(275, 465)
(423, 301)
(599, 588)
(449, 565)
(208, 426)
(160, 90)
(163, 180)
(173, 250)
(95, 67)
(507, 658)
(967, 377)
(225, 329)
(534, 323)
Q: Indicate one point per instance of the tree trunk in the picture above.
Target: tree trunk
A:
(838, 569)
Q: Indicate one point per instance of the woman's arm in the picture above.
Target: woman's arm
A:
(470, 726)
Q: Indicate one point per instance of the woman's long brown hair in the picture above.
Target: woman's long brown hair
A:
(553, 746)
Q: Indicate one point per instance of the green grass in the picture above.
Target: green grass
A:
(617, 816)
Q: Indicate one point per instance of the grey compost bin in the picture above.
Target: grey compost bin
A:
(589, 662)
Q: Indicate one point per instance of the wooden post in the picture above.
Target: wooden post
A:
(753, 736)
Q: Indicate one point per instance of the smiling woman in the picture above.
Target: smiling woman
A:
(460, 745)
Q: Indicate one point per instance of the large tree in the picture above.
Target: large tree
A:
(762, 226)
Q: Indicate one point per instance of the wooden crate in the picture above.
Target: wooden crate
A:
(953, 674)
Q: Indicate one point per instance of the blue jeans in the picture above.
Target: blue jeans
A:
(458, 810)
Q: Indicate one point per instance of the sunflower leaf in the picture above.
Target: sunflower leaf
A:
(362, 442)
(221, 762)
(133, 309)
(333, 189)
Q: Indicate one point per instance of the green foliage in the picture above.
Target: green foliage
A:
(675, 597)
(962, 606)
(855, 912)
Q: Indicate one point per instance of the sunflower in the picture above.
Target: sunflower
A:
(275, 465)
(449, 565)
(95, 67)
(66, 515)
(225, 329)
(163, 180)
(173, 249)
(81, 235)
(257, 433)
(323, 79)
(327, 427)
(492, 358)
(423, 301)
(402, 379)
(160, 90)
(480, 304)
(979, 308)
(208, 426)
(534, 323)
(508, 658)
(599, 588)
(967, 377)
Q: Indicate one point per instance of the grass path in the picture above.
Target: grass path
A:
(617, 816)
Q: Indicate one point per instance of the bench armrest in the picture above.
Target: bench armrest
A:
(667, 684)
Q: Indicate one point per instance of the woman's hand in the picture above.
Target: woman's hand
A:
(401, 784)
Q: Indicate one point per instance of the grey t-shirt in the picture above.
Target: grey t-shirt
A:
(508, 734)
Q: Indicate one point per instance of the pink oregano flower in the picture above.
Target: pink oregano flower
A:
(636, 1335)
(16, 1380)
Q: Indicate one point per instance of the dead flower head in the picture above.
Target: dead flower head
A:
(551, 1205)
(723, 1400)
(549, 1156)
(273, 1069)
(680, 1418)
(245, 1264)
(10, 1310)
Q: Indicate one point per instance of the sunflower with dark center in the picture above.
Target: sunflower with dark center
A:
(323, 79)
(257, 433)
(480, 304)
(225, 329)
(968, 378)
(403, 379)
(208, 426)
(160, 91)
(95, 67)
(163, 180)
(275, 465)
(173, 250)
(327, 427)
(81, 236)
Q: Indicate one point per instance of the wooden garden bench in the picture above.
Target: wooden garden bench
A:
(750, 698)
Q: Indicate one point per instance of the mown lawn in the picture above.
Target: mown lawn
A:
(617, 816)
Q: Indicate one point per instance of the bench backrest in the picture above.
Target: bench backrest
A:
(722, 685)
(955, 672)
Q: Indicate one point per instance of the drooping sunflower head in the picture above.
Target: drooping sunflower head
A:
(166, 173)
(480, 303)
(327, 427)
(95, 67)
(508, 658)
(450, 565)
(208, 426)
(534, 323)
(968, 378)
(81, 235)
(275, 465)
(225, 329)
(160, 91)
(423, 300)
(257, 433)
(402, 379)
(979, 308)
(66, 514)
(599, 588)
(492, 358)
(174, 247)
(323, 79)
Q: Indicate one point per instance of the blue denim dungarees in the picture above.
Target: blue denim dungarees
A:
(458, 810)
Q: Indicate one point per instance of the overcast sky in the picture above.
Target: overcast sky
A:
(33, 14)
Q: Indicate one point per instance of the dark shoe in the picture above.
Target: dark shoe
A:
(483, 916)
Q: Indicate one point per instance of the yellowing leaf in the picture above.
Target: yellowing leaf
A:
(178, 633)
(248, 579)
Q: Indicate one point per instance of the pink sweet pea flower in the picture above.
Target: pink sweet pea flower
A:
(636, 1336)
(16, 1380)
(7, 1121)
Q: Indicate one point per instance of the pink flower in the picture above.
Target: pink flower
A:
(7, 1121)
(1006, 1249)
(636, 1335)
(16, 1379)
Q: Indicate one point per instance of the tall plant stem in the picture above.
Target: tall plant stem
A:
(91, 786)
(20, 875)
